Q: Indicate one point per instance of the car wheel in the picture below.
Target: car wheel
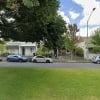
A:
(47, 61)
(8, 60)
(35, 61)
(98, 62)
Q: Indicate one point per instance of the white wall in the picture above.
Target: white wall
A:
(13, 50)
(29, 51)
(16, 48)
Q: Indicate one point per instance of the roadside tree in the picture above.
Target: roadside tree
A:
(71, 38)
(95, 40)
(33, 20)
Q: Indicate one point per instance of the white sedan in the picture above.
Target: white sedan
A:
(41, 59)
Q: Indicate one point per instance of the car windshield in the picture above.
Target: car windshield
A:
(39, 57)
(19, 56)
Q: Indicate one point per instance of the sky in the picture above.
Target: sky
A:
(79, 12)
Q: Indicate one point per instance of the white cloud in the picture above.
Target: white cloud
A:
(64, 17)
(83, 31)
(73, 14)
(87, 6)
(94, 19)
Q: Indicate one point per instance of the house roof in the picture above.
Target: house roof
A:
(24, 44)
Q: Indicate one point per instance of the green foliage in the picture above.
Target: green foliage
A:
(2, 47)
(5, 53)
(35, 20)
(69, 43)
(79, 51)
(70, 36)
(73, 29)
(31, 3)
(42, 50)
(95, 50)
(28, 3)
(2, 3)
(96, 38)
(30, 23)
(55, 30)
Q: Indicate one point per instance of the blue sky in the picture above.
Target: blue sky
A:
(78, 11)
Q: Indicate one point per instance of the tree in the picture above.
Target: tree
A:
(54, 36)
(3, 3)
(79, 52)
(95, 39)
(34, 23)
(73, 29)
(29, 22)
(15, 3)
(71, 38)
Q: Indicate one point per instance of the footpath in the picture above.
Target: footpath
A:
(71, 61)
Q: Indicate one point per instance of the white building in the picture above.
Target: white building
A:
(22, 48)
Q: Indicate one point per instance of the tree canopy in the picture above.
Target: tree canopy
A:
(33, 20)
(28, 21)
(71, 36)
(95, 39)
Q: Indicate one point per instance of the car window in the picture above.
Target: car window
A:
(40, 57)
(19, 56)
(15, 56)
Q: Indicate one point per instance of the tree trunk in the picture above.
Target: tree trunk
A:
(71, 55)
(56, 53)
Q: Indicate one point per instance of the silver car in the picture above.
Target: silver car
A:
(41, 59)
(96, 59)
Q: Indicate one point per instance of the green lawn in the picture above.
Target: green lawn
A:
(49, 84)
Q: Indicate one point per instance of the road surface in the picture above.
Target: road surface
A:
(51, 65)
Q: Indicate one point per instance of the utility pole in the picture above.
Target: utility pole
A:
(87, 53)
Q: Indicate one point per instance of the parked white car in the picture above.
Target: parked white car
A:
(41, 59)
(96, 59)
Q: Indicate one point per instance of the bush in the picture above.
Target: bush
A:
(5, 54)
(44, 51)
(95, 50)
(79, 52)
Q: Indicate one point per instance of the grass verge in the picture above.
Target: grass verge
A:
(49, 84)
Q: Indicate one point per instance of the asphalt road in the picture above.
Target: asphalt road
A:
(51, 65)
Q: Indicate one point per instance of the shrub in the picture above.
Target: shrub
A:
(5, 53)
(95, 50)
(79, 52)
